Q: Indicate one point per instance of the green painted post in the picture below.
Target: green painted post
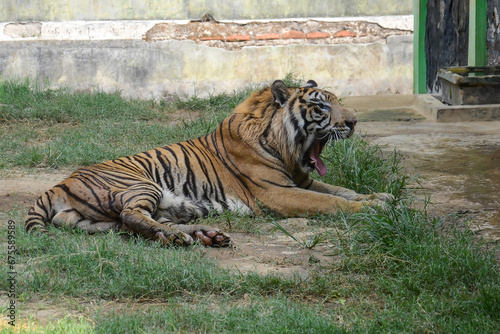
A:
(419, 59)
(477, 55)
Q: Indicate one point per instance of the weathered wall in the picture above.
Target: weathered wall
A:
(137, 47)
(74, 10)
(141, 69)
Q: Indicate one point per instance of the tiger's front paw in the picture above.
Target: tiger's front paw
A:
(384, 197)
(376, 198)
(377, 203)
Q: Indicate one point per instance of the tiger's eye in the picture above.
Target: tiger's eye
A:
(323, 107)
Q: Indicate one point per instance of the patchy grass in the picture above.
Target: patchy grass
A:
(359, 166)
(40, 127)
(398, 269)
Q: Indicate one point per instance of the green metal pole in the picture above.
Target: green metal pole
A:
(419, 59)
(477, 55)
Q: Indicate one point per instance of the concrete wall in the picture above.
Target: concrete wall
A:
(123, 45)
(75, 10)
(160, 69)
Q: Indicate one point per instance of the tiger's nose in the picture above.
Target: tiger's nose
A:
(350, 123)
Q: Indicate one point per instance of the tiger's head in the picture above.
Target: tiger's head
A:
(312, 118)
(294, 124)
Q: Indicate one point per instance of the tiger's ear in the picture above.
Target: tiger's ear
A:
(280, 92)
(311, 84)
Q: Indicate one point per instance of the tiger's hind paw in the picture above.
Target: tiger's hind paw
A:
(179, 238)
(213, 238)
(207, 235)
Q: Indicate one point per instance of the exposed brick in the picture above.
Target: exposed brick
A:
(268, 36)
(212, 38)
(294, 34)
(345, 33)
(238, 38)
(317, 34)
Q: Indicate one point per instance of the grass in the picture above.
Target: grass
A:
(398, 270)
(274, 315)
(359, 166)
(52, 128)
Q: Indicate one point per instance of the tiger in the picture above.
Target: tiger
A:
(258, 158)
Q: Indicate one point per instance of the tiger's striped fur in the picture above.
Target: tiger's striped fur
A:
(262, 153)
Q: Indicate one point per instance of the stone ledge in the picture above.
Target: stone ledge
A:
(433, 108)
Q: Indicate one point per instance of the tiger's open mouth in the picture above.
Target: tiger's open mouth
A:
(312, 157)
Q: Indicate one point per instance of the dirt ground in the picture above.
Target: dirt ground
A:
(266, 253)
(458, 163)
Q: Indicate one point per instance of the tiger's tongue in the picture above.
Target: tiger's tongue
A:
(320, 166)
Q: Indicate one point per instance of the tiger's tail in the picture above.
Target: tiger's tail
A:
(40, 214)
